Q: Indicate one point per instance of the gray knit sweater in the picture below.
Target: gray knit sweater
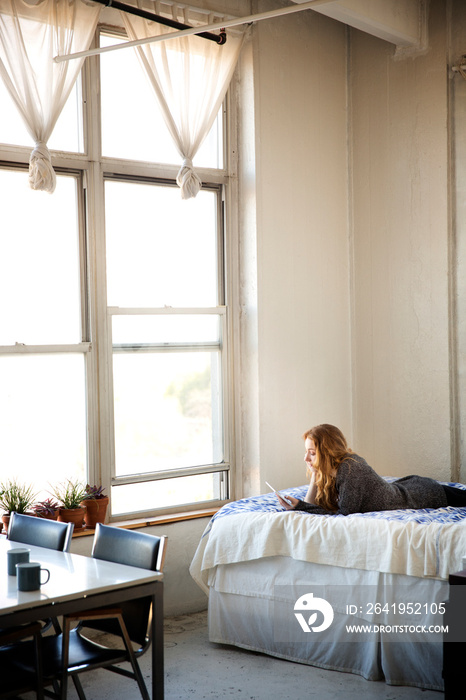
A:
(361, 490)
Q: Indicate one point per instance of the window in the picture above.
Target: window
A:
(125, 93)
(114, 335)
(66, 136)
(167, 325)
(42, 356)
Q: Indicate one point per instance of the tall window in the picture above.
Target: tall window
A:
(42, 329)
(114, 333)
(167, 328)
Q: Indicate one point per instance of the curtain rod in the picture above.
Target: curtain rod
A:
(196, 30)
(130, 9)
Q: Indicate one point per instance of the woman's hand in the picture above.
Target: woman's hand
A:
(293, 501)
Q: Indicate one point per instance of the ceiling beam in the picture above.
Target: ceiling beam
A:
(401, 22)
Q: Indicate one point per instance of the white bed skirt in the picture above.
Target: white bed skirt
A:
(244, 611)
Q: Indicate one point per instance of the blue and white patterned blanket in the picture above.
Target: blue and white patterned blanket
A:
(268, 503)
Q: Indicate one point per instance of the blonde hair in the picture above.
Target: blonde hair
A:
(331, 450)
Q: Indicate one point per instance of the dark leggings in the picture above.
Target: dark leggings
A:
(455, 497)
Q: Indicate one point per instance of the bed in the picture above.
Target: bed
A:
(259, 563)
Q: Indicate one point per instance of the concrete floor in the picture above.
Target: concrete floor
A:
(196, 669)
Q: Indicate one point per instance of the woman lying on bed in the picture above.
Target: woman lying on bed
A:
(342, 482)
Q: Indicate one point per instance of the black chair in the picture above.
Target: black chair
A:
(15, 680)
(72, 652)
(29, 529)
(41, 532)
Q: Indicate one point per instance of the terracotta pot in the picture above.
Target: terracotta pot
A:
(5, 521)
(96, 510)
(73, 515)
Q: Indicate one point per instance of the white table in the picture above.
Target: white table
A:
(80, 583)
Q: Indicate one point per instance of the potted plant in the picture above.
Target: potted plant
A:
(70, 495)
(96, 503)
(14, 497)
(46, 509)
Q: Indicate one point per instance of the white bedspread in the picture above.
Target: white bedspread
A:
(412, 548)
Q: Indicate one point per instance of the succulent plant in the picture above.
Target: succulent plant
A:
(94, 492)
(47, 507)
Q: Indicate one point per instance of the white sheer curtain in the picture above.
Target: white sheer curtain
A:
(190, 77)
(32, 32)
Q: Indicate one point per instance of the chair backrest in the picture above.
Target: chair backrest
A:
(129, 547)
(41, 532)
(132, 549)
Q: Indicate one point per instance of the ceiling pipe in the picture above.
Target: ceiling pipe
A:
(130, 9)
(197, 30)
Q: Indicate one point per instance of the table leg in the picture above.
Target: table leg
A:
(158, 675)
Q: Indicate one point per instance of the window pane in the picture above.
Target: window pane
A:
(167, 410)
(165, 493)
(66, 135)
(139, 131)
(39, 262)
(166, 329)
(42, 419)
(161, 250)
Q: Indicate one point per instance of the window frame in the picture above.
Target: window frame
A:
(223, 468)
(106, 167)
(91, 170)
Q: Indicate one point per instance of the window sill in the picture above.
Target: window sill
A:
(157, 520)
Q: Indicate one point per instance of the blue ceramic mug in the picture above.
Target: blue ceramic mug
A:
(29, 576)
(16, 556)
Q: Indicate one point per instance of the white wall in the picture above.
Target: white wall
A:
(401, 239)
(299, 312)
(457, 88)
(353, 256)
